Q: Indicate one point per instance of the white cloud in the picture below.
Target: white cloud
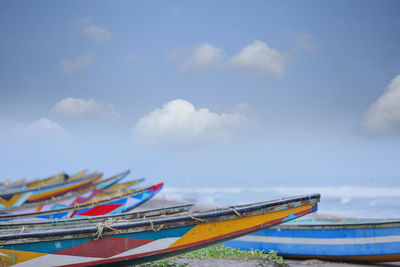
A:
(78, 107)
(70, 66)
(40, 128)
(384, 113)
(197, 57)
(258, 59)
(97, 33)
(44, 126)
(178, 121)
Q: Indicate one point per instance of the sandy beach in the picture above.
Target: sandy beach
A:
(159, 203)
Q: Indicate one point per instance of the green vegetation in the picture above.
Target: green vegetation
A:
(221, 252)
(163, 263)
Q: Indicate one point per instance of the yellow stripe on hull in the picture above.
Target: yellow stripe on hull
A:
(212, 230)
(121, 186)
(45, 181)
(9, 203)
(55, 179)
(11, 257)
(61, 190)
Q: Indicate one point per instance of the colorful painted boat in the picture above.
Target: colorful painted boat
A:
(54, 179)
(94, 207)
(373, 240)
(9, 227)
(22, 184)
(118, 187)
(66, 201)
(6, 185)
(147, 239)
(18, 198)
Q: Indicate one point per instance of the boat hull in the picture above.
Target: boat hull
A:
(377, 241)
(108, 206)
(146, 240)
(39, 194)
(65, 202)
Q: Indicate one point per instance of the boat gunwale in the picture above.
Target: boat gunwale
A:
(126, 193)
(94, 219)
(64, 182)
(169, 222)
(69, 194)
(134, 183)
(26, 183)
(354, 225)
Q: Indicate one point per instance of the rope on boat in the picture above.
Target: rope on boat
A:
(237, 213)
(100, 229)
(152, 226)
(194, 218)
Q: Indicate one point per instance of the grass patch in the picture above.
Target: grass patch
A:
(221, 252)
(163, 263)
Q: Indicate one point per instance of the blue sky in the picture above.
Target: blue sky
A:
(202, 93)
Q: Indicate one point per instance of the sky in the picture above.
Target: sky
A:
(202, 93)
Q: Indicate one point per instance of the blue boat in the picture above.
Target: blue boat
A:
(367, 240)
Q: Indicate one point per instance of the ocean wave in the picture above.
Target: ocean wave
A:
(334, 191)
(349, 201)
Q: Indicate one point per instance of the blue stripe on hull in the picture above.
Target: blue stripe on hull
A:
(330, 233)
(320, 250)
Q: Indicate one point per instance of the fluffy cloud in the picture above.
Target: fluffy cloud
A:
(384, 113)
(202, 56)
(97, 33)
(197, 57)
(179, 121)
(40, 128)
(259, 59)
(70, 66)
(78, 107)
(44, 126)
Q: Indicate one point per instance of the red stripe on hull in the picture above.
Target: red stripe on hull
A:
(194, 244)
(104, 247)
(100, 210)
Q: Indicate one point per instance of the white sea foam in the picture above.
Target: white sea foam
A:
(343, 192)
(351, 201)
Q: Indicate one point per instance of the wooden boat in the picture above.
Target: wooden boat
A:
(66, 201)
(144, 240)
(55, 179)
(17, 198)
(94, 207)
(8, 227)
(372, 240)
(11, 184)
(21, 184)
(118, 187)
